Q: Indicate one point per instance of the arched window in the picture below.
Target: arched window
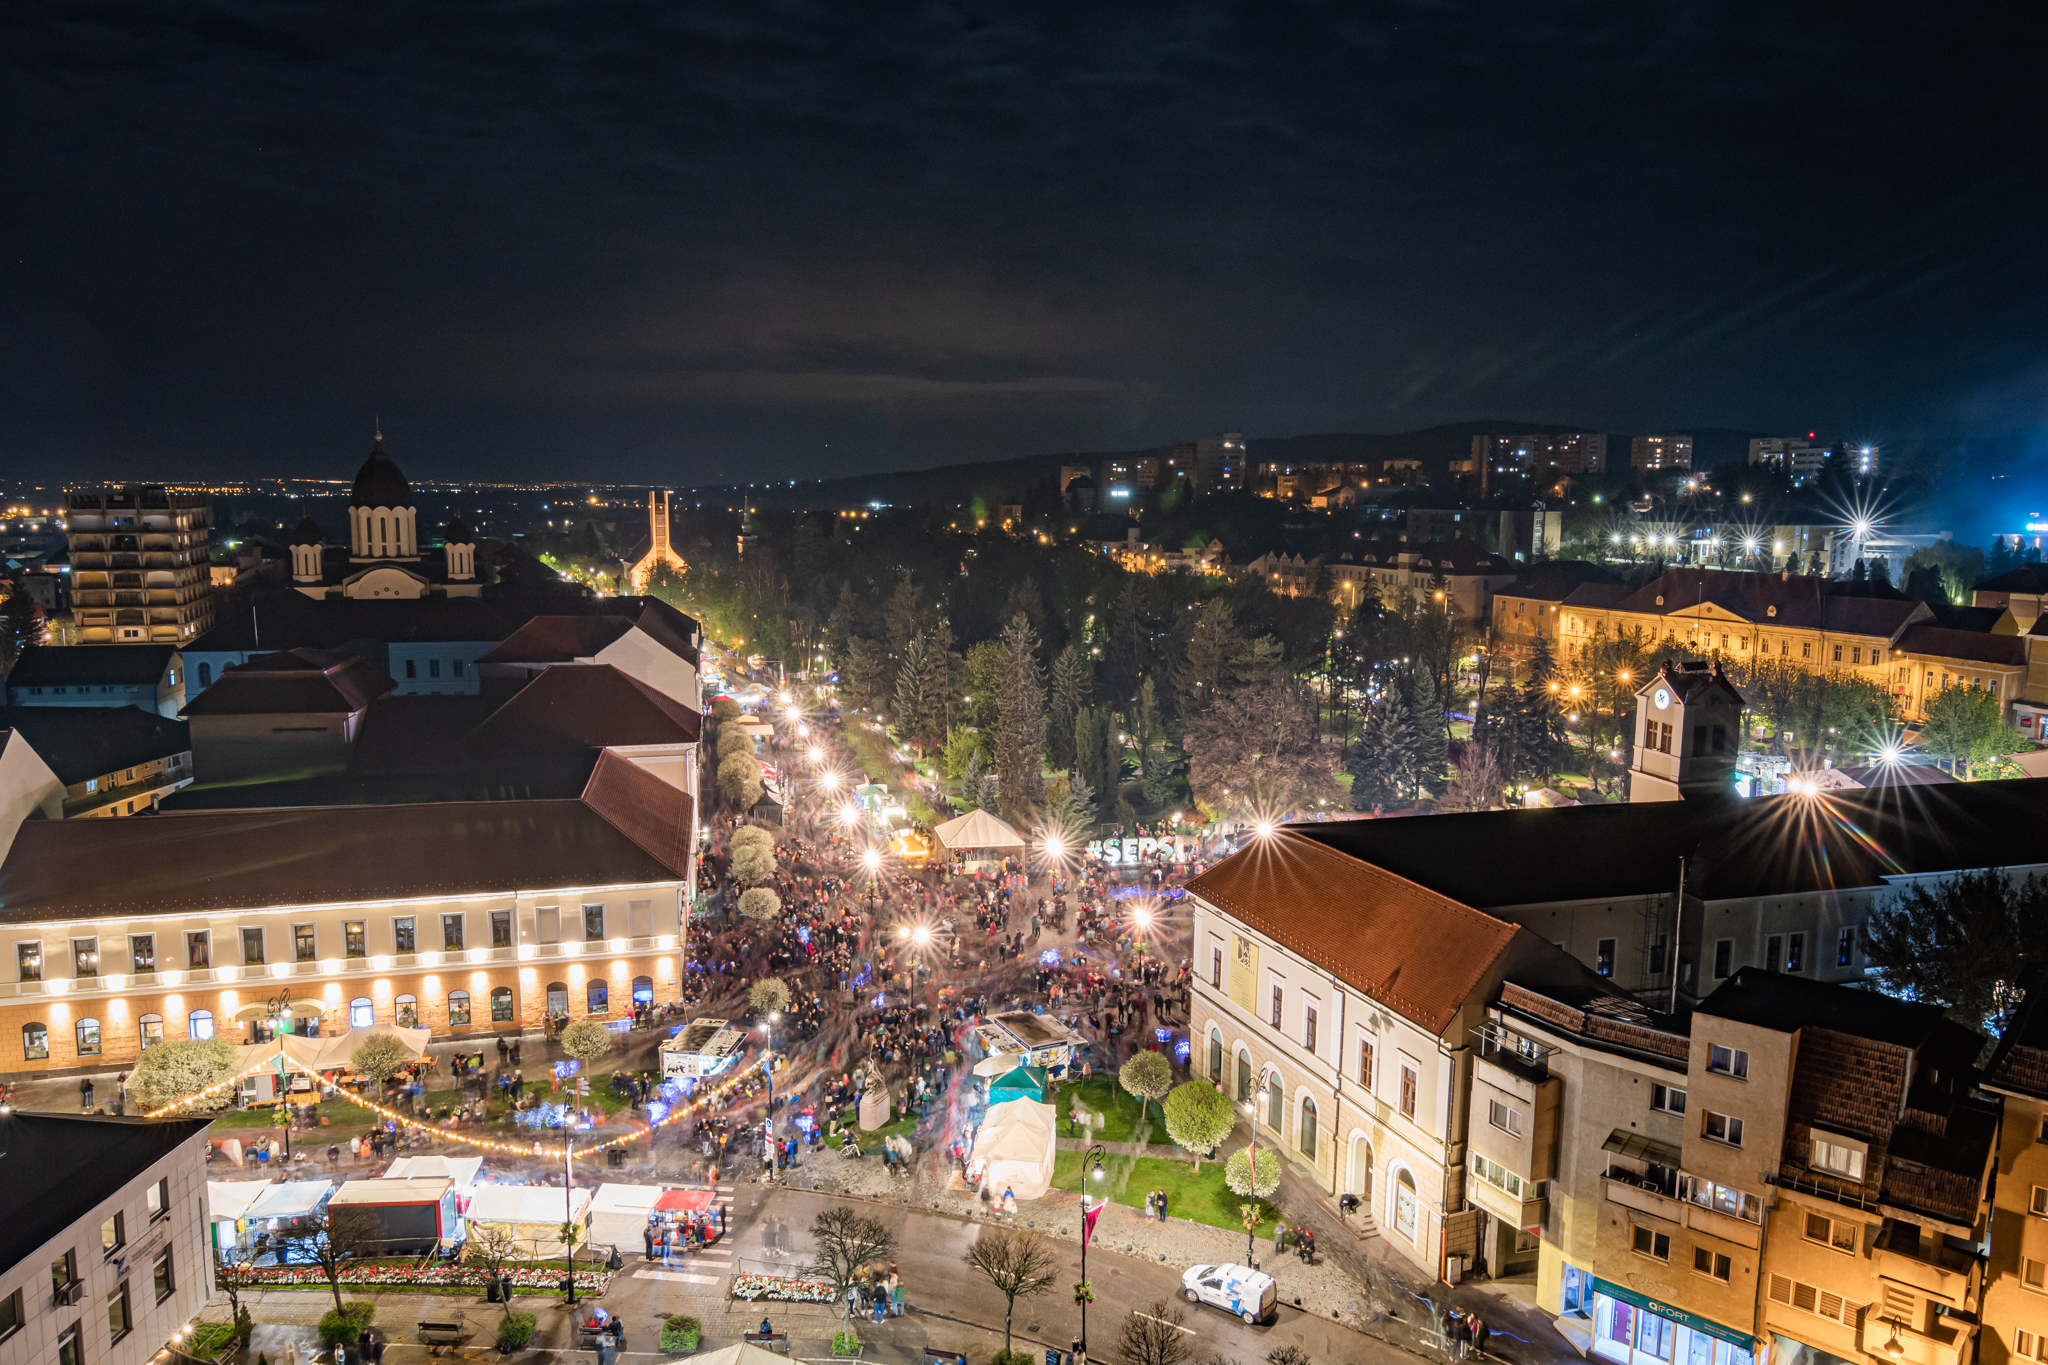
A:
(407, 1011)
(558, 998)
(199, 1024)
(1244, 1076)
(1405, 1205)
(1276, 1104)
(1305, 1135)
(598, 995)
(88, 1031)
(643, 990)
(35, 1043)
(206, 675)
(150, 1028)
(501, 1005)
(458, 1007)
(1216, 1058)
(361, 1013)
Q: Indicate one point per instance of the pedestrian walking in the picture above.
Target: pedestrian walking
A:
(1279, 1234)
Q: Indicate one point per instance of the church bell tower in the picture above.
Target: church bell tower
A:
(1688, 729)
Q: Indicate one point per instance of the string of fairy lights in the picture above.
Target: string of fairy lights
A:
(675, 1112)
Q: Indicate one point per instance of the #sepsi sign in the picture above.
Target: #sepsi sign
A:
(1132, 852)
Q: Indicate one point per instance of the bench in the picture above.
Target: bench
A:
(774, 1341)
(435, 1333)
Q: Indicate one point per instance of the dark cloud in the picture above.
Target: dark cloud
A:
(679, 241)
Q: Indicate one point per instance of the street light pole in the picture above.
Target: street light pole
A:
(1092, 1161)
(768, 1133)
(569, 1195)
(1251, 1171)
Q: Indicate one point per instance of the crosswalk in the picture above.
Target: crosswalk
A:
(706, 1266)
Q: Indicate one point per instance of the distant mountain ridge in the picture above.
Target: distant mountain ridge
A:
(993, 480)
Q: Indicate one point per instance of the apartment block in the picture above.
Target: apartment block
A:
(139, 571)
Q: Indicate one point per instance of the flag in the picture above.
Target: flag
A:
(1088, 1223)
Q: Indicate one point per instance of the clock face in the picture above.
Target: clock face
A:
(1662, 697)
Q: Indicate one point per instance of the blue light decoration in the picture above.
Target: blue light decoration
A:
(564, 1070)
(806, 1121)
(803, 934)
(549, 1116)
(1163, 1034)
(1180, 1052)
(1049, 958)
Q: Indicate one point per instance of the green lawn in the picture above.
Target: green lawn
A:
(1203, 1197)
(1119, 1110)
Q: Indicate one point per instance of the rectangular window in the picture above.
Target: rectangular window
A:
(1795, 953)
(1723, 1128)
(157, 1199)
(2040, 1205)
(501, 928)
(1774, 948)
(1836, 1158)
(1504, 1117)
(1308, 1027)
(28, 961)
(1603, 957)
(1724, 956)
(64, 1278)
(1216, 968)
(547, 924)
(2034, 1274)
(119, 1322)
(302, 943)
(1699, 741)
(458, 667)
(1838, 1233)
(451, 933)
(2026, 1345)
(1712, 1264)
(433, 668)
(1278, 996)
(1806, 649)
(1667, 1098)
(199, 950)
(11, 1315)
(1408, 1088)
(353, 939)
(1659, 948)
(1649, 1242)
(593, 923)
(1365, 1064)
(113, 1234)
(412, 669)
(142, 952)
(161, 1276)
(85, 956)
(1845, 946)
(252, 947)
(1838, 654)
(69, 1349)
(1728, 1061)
(402, 935)
(1856, 655)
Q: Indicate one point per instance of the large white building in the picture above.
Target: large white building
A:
(102, 1237)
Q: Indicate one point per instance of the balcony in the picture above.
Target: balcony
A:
(1941, 1344)
(1926, 1260)
(1636, 1192)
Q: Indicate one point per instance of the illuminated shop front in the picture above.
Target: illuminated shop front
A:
(1632, 1329)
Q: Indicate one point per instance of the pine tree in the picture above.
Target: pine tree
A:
(1432, 740)
(1384, 760)
(918, 706)
(1020, 723)
(1094, 765)
(1072, 678)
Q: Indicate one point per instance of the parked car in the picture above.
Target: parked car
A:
(1239, 1290)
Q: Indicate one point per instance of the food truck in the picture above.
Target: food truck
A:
(705, 1047)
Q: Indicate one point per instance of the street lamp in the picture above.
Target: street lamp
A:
(1092, 1159)
(768, 1031)
(1251, 1172)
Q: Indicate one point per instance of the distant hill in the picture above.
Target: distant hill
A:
(991, 480)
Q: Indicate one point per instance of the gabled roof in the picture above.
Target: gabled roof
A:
(558, 640)
(1936, 642)
(2026, 579)
(283, 618)
(81, 742)
(92, 665)
(1554, 580)
(1883, 617)
(1597, 596)
(57, 1168)
(1411, 948)
(1786, 1004)
(621, 831)
(293, 682)
(2020, 1062)
(1797, 601)
(589, 705)
(1691, 682)
(1771, 845)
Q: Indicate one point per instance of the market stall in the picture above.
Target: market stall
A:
(413, 1216)
(704, 1047)
(1039, 1040)
(1014, 1149)
(249, 1215)
(1020, 1083)
(531, 1215)
(463, 1171)
(288, 1063)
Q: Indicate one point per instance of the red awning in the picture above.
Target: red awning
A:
(683, 1201)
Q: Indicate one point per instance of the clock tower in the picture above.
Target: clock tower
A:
(1688, 728)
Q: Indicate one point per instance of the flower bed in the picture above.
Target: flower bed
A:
(782, 1289)
(405, 1276)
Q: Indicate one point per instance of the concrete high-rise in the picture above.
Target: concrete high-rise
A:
(139, 571)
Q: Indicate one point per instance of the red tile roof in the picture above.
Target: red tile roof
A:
(591, 705)
(1936, 642)
(558, 640)
(1406, 946)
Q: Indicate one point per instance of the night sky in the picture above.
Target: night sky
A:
(687, 243)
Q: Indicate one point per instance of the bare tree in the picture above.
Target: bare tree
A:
(1018, 1262)
(848, 1242)
(1154, 1336)
(491, 1245)
(331, 1243)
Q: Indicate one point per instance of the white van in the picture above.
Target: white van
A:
(1240, 1290)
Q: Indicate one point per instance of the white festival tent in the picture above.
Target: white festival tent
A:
(330, 1053)
(978, 830)
(463, 1170)
(1017, 1141)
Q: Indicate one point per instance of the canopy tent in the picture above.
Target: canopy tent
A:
(292, 1199)
(685, 1201)
(228, 1199)
(634, 1199)
(978, 830)
(331, 1053)
(531, 1215)
(463, 1170)
(1016, 1143)
(1018, 1083)
(741, 1353)
(998, 1063)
